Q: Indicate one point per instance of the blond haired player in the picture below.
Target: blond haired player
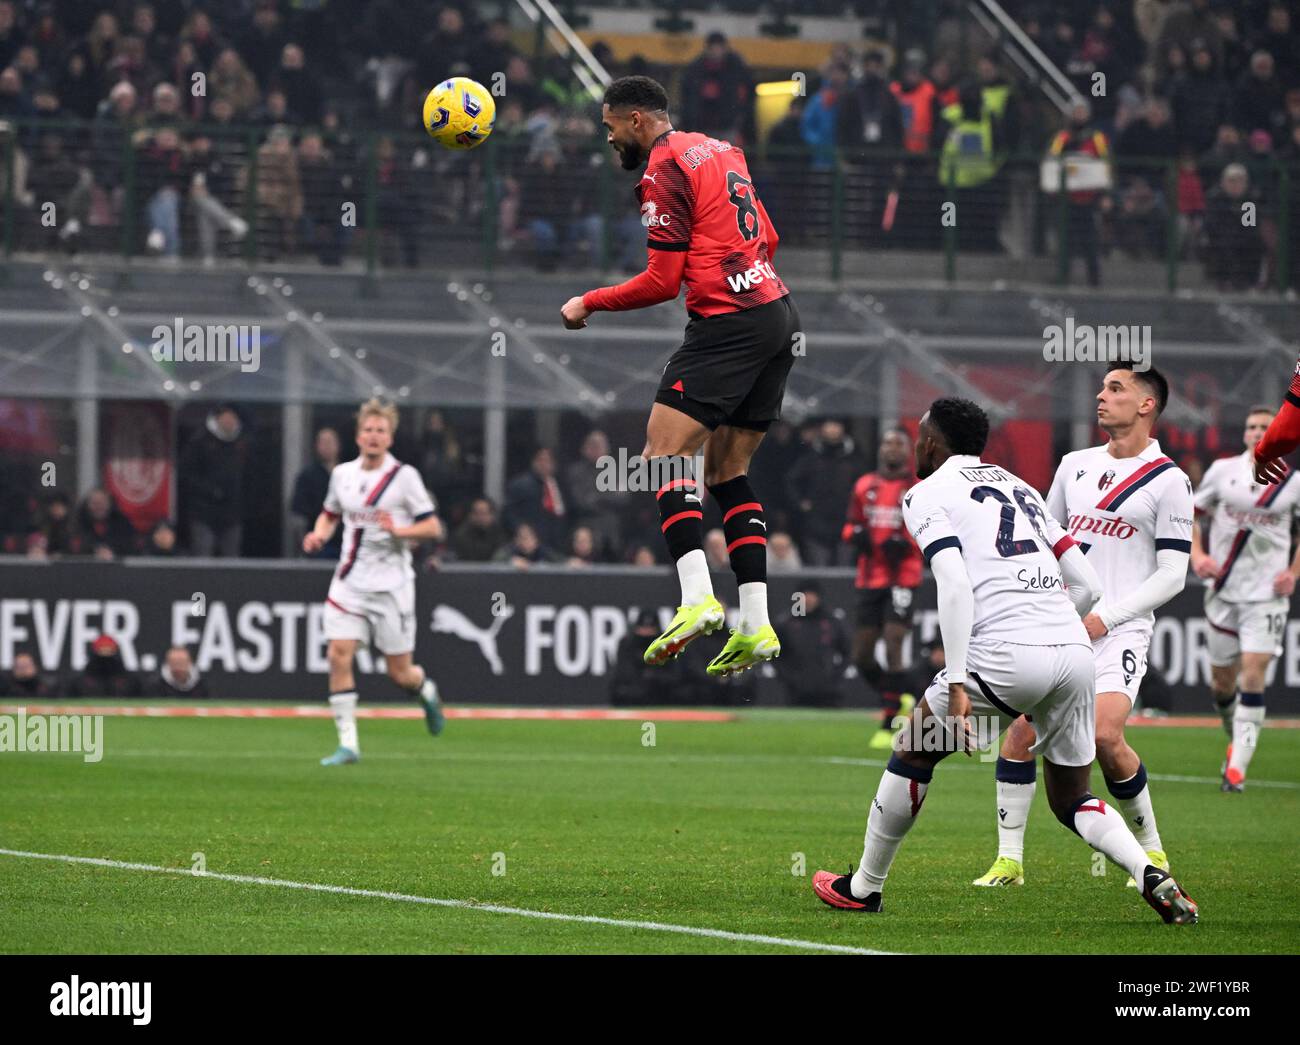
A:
(1248, 586)
(384, 506)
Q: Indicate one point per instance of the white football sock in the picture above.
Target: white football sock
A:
(344, 706)
(898, 800)
(1014, 801)
(693, 572)
(1139, 814)
(1246, 724)
(753, 607)
(1105, 830)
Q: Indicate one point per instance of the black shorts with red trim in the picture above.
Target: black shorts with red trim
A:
(880, 606)
(732, 367)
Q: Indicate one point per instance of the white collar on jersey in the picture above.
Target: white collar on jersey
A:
(960, 461)
(387, 463)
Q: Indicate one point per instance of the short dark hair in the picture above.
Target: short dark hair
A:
(896, 430)
(1155, 384)
(963, 425)
(637, 92)
(1260, 408)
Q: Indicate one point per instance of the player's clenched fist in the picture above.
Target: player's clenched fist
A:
(575, 313)
(312, 542)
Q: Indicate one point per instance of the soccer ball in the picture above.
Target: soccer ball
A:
(459, 113)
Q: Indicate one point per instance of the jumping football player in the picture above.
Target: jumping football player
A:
(1001, 564)
(723, 387)
(889, 571)
(384, 505)
(1130, 507)
(1282, 437)
(1248, 589)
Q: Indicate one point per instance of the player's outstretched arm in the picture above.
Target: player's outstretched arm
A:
(1082, 583)
(1169, 579)
(1282, 437)
(661, 281)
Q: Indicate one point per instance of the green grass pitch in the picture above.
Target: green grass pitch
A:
(701, 830)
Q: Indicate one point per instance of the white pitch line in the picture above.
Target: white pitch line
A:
(523, 912)
(563, 756)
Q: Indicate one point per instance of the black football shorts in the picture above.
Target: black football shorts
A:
(731, 368)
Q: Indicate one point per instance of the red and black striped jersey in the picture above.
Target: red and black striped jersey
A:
(698, 201)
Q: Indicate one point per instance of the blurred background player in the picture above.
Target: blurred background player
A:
(384, 505)
(1130, 507)
(1249, 582)
(983, 530)
(1282, 437)
(723, 388)
(889, 571)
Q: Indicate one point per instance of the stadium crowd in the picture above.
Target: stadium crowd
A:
(1205, 89)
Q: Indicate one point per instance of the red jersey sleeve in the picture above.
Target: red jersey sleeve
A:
(854, 516)
(1283, 434)
(661, 281)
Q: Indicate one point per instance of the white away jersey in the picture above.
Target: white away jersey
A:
(1122, 511)
(373, 559)
(1250, 527)
(1009, 544)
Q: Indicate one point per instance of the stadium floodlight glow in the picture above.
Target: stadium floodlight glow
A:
(86, 310)
(128, 348)
(112, 310)
(777, 89)
(195, 385)
(318, 317)
(291, 316)
(361, 353)
(405, 390)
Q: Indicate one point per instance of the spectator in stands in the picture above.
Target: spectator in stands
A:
(164, 174)
(782, 555)
(643, 555)
(1191, 202)
(198, 31)
(1257, 102)
(99, 523)
(68, 185)
(480, 536)
(105, 674)
(279, 193)
(1235, 54)
(536, 497)
(493, 51)
(1082, 139)
(178, 677)
(1232, 249)
(212, 485)
(323, 195)
(299, 84)
(60, 535)
(1201, 102)
(869, 130)
(262, 46)
(11, 34)
(233, 81)
(594, 503)
(820, 485)
(144, 26)
(1152, 137)
(310, 487)
(1279, 41)
(634, 683)
(557, 212)
(916, 97)
(1140, 219)
(818, 123)
(398, 209)
(524, 549)
(814, 652)
(582, 548)
(715, 550)
(78, 87)
(217, 163)
(162, 540)
(274, 111)
(718, 94)
(26, 681)
(969, 167)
